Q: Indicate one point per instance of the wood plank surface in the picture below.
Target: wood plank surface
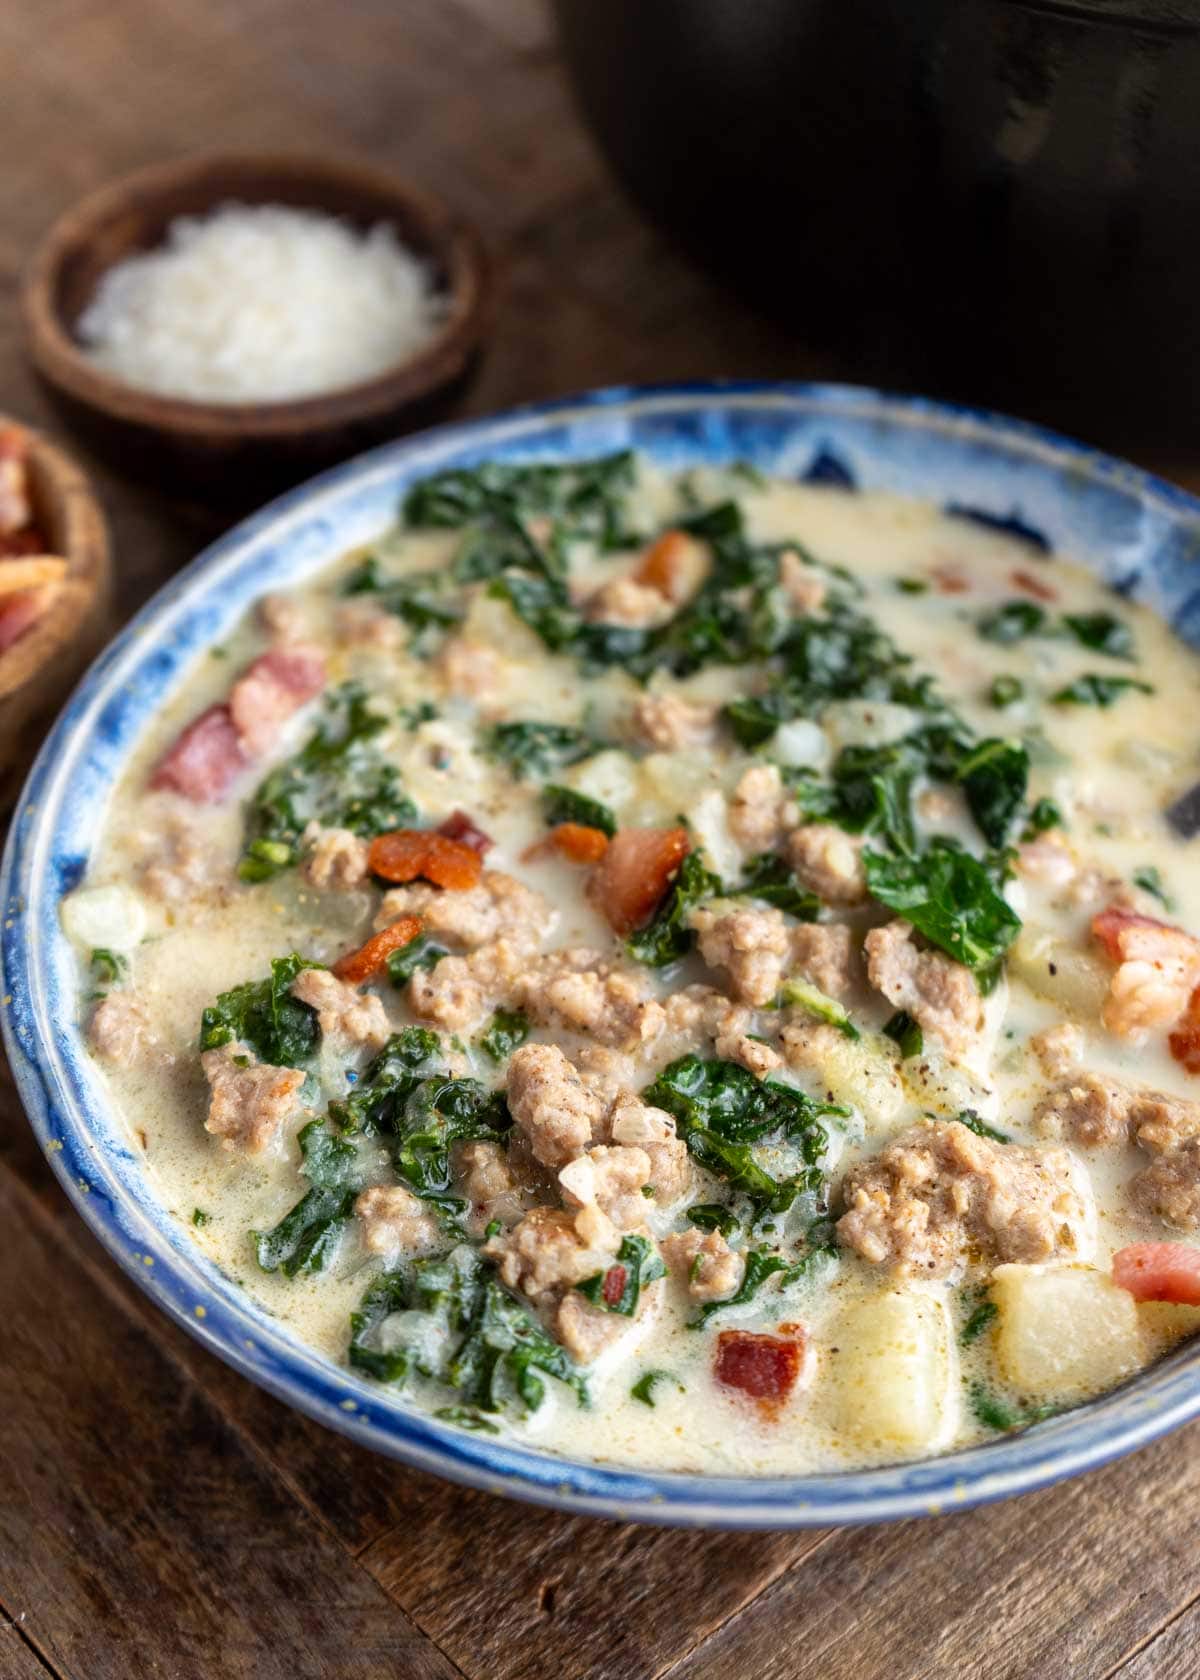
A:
(160, 1517)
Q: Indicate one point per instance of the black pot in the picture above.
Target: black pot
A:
(994, 198)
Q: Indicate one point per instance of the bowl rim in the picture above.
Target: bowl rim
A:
(454, 242)
(82, 539)
(166, 1264)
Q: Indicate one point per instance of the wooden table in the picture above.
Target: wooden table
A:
(160, 1517)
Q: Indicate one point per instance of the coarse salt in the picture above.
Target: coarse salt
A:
(261, 303)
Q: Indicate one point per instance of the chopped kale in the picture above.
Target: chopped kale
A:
(507, 1029)
(754, 720)
(1043, 814)
(711, 1216)
(950, 897)
(424, 600)
(584, 498)
(1005, 690)
(200, 1217)
(994, 1413)
(667, 937)
(769, 878)
(802, 994)
(1150, 880)
(967, 1117)
(529, 748)
(108, 966)
(437, 1297)
(762, 1263)
(912, 586)
(564, 805)
(304, 1238)
(264, 1015)
(1102, 633)
(1012, 622)
(904, 1032)
(412, 717)
(721, 1109)
(387, 1081)
(466, 1417)
(994, 776)
(337, 779)
(619, 1288)
(643, 1388)
(420, 952)
(1095, 689)
(980, 1319)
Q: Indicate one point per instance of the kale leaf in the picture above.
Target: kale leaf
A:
(721, 1109)
(1095, 689)
(769, 878)
(1101, 632)
(950, 897)
(1043, 814)
(420, 952)
(506, 1031)
(1005, 689)
(585, 499)
(424, 600)
(904, 1032)
(533, 749)
(711, 1216)
(802, 994)
(565, 805)
(264, 1015)
(1012, 622)
(667, 937)
(304, 1238)
(619, 1289)
(967, 1117)
(994, 777)
(337, 779)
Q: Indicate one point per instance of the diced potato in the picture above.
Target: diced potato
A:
(1166, 1322)
(896, 1371)
(1064, 1331)
(112, 918)
(609, 777)
(863, 1072)
(1073, 979)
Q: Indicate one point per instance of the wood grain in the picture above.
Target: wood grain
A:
(160, 1516)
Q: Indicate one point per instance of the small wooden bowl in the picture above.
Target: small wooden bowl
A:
(238, 451)
(38, 669)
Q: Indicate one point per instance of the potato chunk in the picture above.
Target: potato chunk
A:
(1064, 1331)
(896, 1371)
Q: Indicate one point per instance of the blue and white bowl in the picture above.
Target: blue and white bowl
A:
(1138, 533)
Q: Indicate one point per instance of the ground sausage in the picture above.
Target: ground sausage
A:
(610, 1177)
(547, 1252)
(803, 584)
(120, 1029)
(753, 946)
(756, 809)
(343, 1012)
(248, 1100)
(395, 1221)
(939, 993)
(335, 859)
(576, 990)
(704, 1262)
(939, 1196)
(1059, 1048)
(667, 722)
(549, 1102)
(634, 1122)
(829, 862)
(823, 954)
(500, 907)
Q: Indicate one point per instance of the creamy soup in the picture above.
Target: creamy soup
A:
(686, 971)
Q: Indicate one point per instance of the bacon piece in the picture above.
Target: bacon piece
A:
(763, 1367)
(1185, 1040)
(673, 566)
(1159, 1272)
(613, 1286)
(371, 959)
(205, 760)
(459, 826)
(270, 690)
(578, 842)
(949, 579)
(1031, 585)
(634, 874)
(407, 854)
(1113, 928)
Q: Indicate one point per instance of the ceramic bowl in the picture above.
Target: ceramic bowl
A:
(1139, 534)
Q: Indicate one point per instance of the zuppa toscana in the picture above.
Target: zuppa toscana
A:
(689, 970)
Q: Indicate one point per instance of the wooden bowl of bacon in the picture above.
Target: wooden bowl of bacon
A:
(55, 582)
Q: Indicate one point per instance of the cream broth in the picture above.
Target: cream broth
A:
(884, 1341)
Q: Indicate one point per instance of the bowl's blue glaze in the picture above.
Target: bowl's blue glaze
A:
(1140, 534)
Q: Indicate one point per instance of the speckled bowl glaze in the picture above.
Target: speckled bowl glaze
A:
(1139, 534)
